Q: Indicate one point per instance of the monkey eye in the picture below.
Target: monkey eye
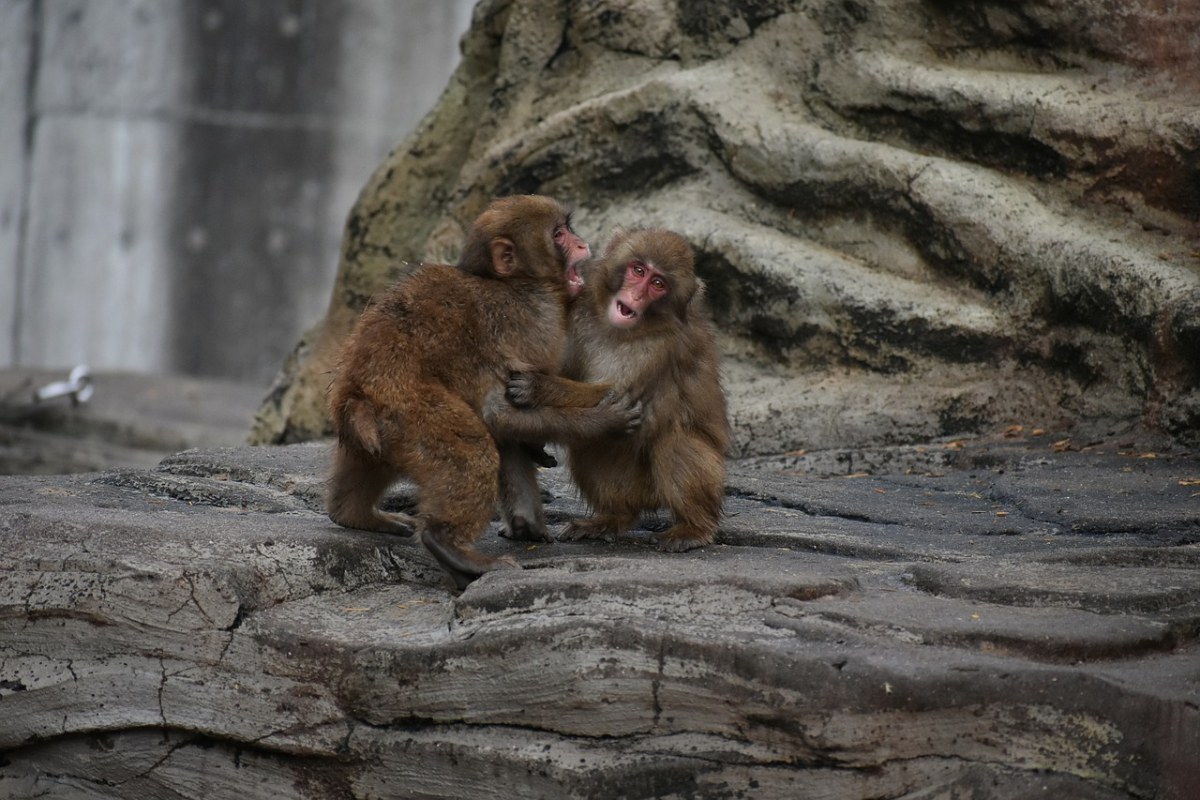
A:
(637, 268)
(659, 283)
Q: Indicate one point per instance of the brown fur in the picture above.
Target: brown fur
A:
(668, 359)
(416, 390)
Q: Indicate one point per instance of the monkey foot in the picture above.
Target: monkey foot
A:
(580, 529)
(399, 524)
(679, 539)
(462, 563)
(380, 522)
(521, 529)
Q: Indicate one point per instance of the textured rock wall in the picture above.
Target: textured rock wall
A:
(916, 217)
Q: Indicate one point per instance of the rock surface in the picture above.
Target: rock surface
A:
(916, 218)
(995, 618)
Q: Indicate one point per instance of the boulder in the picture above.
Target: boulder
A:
(915, 218)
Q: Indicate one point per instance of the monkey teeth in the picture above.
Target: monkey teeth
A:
(621, 315)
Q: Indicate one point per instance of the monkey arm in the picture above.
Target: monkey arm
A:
(528, 389)
(613, 414)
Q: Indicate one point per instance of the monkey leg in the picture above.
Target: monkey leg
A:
(456, 467)
(690, 478)
(355, 487)
(613, 481)
(520, 496)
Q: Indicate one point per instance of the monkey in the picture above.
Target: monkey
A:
(414, 393)
(641, 326)
(520, 497)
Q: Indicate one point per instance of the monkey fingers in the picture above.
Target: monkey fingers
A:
(606, 528)
(397, 524)
(463, 564)
(370, 519)
(626, 408)
(681, 537)
(521, 389)
(356, 510)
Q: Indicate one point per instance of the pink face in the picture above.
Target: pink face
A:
(642, 286)
(576, 251)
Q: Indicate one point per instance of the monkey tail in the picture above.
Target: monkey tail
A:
(361, 425)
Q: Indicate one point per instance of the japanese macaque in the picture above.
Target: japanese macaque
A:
(419, 391)
(640, 325)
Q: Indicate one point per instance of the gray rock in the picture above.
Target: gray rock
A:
(915, 220)
(991, 618)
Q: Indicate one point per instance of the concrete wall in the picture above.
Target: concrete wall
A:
(174, 174)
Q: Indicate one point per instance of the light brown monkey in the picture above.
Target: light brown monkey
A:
(640, 325)
(425, 363)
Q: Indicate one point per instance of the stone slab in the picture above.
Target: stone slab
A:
(202, 628)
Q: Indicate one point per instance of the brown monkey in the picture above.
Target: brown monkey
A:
(426, 357)
(641, 326)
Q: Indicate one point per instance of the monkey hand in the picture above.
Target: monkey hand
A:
(521, 389)
(624, 411)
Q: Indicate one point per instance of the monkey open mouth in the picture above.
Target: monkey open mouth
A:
(624, 310)
(574, 279)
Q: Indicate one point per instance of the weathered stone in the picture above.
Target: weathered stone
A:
(987, 618)
(915, 218)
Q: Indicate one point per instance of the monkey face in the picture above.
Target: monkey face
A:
(574, 251)
(645, 275)
(642, 285)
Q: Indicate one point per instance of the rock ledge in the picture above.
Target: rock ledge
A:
(991, 618)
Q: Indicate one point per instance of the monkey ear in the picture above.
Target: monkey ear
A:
(504, 256)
